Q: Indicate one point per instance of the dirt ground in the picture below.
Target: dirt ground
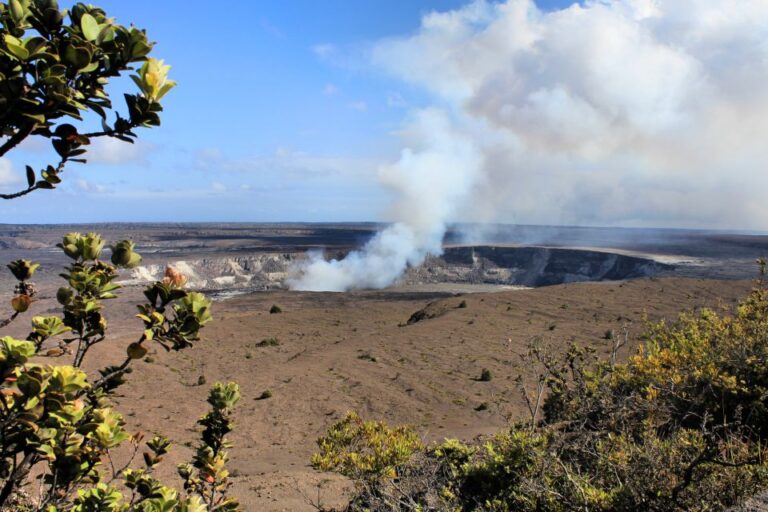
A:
(354, 351)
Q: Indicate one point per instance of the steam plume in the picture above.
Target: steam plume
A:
(432, 178)
(609, 112)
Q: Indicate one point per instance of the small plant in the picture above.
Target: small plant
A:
(485, 375)
(366, 451)
(268, 342)
(275, 309)
(483, 406)
(201, 380)
(207, 478)
(264, 395)
(59, 423)
(367, 357)
(462, 304)
(609, 334)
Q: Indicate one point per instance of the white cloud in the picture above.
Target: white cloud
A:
(330, 89)
(286, 165)
(89, 187)
(360, 106)
(324, 50)
(8, 176)
(638, 112)
(111, 151)
(218, 187)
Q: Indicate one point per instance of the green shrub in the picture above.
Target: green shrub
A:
(57, 424)
(365, 450)
(680, 426)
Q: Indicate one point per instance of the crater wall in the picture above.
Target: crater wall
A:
(522, 266)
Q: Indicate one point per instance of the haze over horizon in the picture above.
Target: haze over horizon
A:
(608, 113)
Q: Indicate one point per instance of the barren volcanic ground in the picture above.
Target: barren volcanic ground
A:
(336, 352)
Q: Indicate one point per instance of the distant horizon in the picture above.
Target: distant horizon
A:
(374, 224)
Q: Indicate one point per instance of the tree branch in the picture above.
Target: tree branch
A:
(36, 186)
(8, 320)
(21, 193)
(19, 136)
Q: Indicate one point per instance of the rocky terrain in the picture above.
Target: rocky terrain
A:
(525, 266)
(408, 354)
(241, 257)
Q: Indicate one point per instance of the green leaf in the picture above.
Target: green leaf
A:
(77, 56)
(107, 34)
(90, 27)
(138, 82)
(65, 130)
(35, 45)
(139, 50)
(16, 50)
(61, 147)
(51, 178)
(40, 118)
(97, 108)
(164, 89)
(93, 66)
(30, 176)
(17, 10)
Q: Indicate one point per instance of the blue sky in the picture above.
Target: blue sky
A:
(277, 117)
(646, 113)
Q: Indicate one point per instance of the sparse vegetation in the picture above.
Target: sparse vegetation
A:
(485, 375)
(264, 395)
(681, 425)
(275, 309)
(367, 357)
(268, 342)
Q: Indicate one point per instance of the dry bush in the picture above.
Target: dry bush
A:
(680, 426)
